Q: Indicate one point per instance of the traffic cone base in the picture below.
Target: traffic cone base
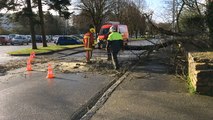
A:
(50, 75)
(29, 66)
(50, 72)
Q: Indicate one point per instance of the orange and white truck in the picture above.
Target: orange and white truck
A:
(104, 32)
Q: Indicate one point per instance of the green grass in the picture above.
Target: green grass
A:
(190, 86)
(43, 50)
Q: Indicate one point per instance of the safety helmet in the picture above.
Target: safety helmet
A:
(112, 29)
(92, 30)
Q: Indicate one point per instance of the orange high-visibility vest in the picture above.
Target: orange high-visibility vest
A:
(88, 41)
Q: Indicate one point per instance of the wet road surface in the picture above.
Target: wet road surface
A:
(29, 95)
(35, 97)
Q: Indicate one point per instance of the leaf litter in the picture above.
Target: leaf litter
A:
(64, 66)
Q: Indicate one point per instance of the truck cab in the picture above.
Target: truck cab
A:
(104, 32)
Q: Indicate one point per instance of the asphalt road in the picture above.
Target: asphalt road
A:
(30, 95)
(37, 98)
(145, 42)
(4, 57)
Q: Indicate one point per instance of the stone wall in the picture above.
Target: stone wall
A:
(200, 71)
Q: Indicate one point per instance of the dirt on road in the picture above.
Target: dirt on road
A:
(65, 66)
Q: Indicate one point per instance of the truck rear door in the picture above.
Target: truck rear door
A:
(124, 31)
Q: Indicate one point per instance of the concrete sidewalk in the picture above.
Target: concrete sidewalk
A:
(151, 93)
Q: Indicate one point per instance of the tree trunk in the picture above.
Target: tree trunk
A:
(42, 23)
(136, 34)
(32, 30)
(210, 19)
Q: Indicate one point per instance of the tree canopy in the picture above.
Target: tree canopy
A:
(125, 11)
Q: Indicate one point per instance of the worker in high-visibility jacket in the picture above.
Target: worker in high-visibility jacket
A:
(89, 43)
(114, 45)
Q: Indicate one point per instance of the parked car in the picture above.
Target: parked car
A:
(55, 38)
(67, 40)
(38, 38)
(11, 36)
(19, 39)
(4, 40)
(78, 37)
(28, 38)
(49, 38)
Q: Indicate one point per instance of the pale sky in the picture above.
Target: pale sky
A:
(158, 6)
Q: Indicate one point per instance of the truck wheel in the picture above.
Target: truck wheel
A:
(99, 46)
(103, 45)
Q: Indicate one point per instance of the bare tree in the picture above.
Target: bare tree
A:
(79, 22)
(132, 15)
(97, 10)
(54, 25)
(183, 7)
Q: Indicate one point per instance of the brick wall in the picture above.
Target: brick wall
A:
(200, 71)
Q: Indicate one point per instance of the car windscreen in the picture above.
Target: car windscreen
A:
(65, 38)
(12, 36)
(104, 31)
(18, 37)
(61, 38)
(68, 38)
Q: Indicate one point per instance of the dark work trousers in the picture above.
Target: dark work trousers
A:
(114, 47)
(109, 57)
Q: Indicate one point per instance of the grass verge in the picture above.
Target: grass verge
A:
(43, 50)
(191, 88)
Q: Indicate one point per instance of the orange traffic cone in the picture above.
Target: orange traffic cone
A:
(32, 54)
(30, 58)
(50, 72)
(29, 66)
